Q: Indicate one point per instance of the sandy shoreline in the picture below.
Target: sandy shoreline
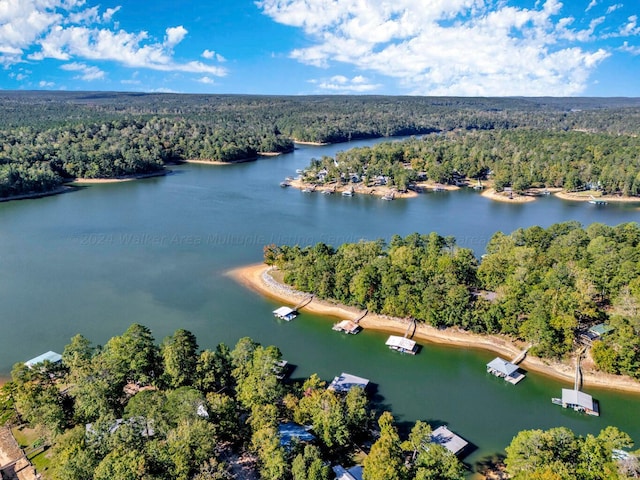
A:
(357, 190)
(218, 162)
(574, 197)
(256, 277)
(125, 178)
(26, 196)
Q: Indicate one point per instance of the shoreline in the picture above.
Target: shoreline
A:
(574, 197)
(124, 178)
(256, 277)
(27, 196)
(357, 190)
(218, 162)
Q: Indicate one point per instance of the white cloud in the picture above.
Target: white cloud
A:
(342, 84)
(87, 73)
(44, 84)
(632, 49)
(592, 4)
(66, 30)
(613, 8)
(206, 80)
(447, 47)
(210, 54)
(175, 35)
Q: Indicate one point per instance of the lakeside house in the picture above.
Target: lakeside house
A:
(449, 440)
(346, 381)
(353, 473)
(577, 400)
(402, 344)
(508, 371)
(285, 313)
(49, 356)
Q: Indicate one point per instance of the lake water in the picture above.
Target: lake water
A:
(156, 251)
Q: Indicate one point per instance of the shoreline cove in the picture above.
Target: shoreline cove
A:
(257, 277)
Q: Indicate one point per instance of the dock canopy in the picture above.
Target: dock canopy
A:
(353, 473)
(285, 313)
(576, 398)
(449, 440)
(50, 356)
(347, 326)
(346, 382)
(501, 366)
(290, 431)
(401, 344)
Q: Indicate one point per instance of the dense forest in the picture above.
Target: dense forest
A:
(520, 159)
(50, 137)
(544, 286)
(136, 410)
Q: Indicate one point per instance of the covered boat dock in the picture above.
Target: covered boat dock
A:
(508, 371)
(579, 401)
(346, 382)
(449, 440)
(285, 313)
(402, 344)
(347, 326)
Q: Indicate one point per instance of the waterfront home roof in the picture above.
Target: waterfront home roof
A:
(289, 431)
(449, 440)
(346, 382)
(601, 329)
(353, 473)
(576, 397)
(501, 365)
(397, 342)
(50, 356)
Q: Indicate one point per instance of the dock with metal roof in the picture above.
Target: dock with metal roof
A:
(345, 382)
(402, 344)
(579, 401)
(449, 440)
(49, 356)
(508, 371)
(285, 313)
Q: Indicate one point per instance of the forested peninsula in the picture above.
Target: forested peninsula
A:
(49, 138)
(134, 409)
(546, 287)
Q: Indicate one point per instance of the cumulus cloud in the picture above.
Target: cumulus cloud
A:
(210, 54)
(87, 73)
(448, 47)
(66, 30)
(45, 84)
(613, 8)
(632, 49)
(342, 84)
(206, 80)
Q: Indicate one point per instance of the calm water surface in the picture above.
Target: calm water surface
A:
(156, 252)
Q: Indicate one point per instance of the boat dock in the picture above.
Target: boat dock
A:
(347, 326)
(575, 399)
(350, 326)
(402, 344)
(508, 371)
(285, 313)
(346, 381)
(449, 440)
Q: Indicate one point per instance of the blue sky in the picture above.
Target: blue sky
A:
(294, 47)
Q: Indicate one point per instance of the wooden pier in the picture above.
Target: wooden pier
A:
(303, 303)
(521, 356)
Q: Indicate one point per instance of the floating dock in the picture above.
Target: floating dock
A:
(579, 401)
(508, 371)
(402, 344)
(347, 326)
(285, 313)
(346, 381)
(449, 440)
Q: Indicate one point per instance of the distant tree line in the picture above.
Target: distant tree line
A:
(545, 286)
(136, 410)
(520, 159)
(48, 137)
